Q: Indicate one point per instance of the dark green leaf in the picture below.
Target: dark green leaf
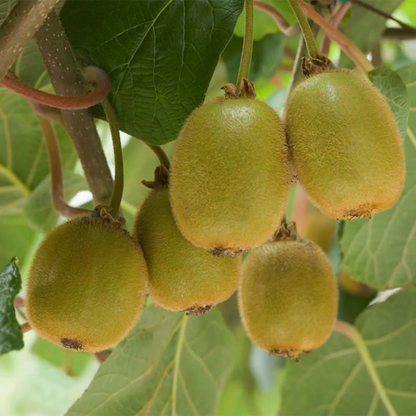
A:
(5, 7)
(372, 373)
(11, 337)
(378, 252)
(168, 365)
(160, 55)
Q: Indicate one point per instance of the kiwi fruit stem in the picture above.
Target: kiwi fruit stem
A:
(247, 52)
(118, 185)
(306, 29)
(161, 155)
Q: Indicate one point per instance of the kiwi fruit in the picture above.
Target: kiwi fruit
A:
(345, 144)
(87, 284)
(288, 296)
(353, 287)
(320, 229)
(230, 173)
(182, 277)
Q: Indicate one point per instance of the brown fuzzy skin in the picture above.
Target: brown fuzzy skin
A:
(345, 144)
(183, 277)
(288, 297)
(230, 175)
(87, 285)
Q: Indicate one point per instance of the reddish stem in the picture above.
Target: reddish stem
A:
(57, 185)
(25, 327)
(19, 302)
(326, 43)
(288, 30)
(301, 210)
(98, 81)
(102, 356)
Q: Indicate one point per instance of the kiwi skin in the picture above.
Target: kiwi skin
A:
(230, 175)
(86, 285)
(345, 144)
(183, 277)
(288, 297)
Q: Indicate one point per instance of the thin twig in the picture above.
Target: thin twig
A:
(19, 27)
(57, 185)
(326, 42)
(25, 327)
(285, 28)
(346, 45)
(96, 77)
(67, 79)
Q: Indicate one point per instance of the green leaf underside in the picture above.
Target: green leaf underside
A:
(11, 337)
(5, 7)
(160, 55)
(169, 364)
(374, 377)
(365, 27)
(23, 156)
(380, 251)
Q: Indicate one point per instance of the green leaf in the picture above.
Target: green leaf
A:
(39, 210)
(365, 27)
(170, 364)
(5, 7)
(267, 54)
(160, 55)
(378, 252)
(372, 373)
(11, 337)
(72, 362)
(16, 238)
(23, 157)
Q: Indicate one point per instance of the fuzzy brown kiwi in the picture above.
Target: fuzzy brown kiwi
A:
(183, 277)
(344, 144)
(230, 174)
(87, 284)
(288, 296)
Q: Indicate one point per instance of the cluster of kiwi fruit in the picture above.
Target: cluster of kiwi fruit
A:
(225, 195)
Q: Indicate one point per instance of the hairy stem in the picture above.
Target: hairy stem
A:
(57, 185)
(19, 27)
(67, 79)
(326, 43)
(96, 77)
(285, 28)
(245, 62)
(161, 155)
(346, 45)
(118, 186)
(306, 29)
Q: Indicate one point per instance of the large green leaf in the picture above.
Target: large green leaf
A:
(11, 337)
(365, 27)
(379, 252)
(160, 55)
(170, 364)
(372, 374)
(23, 157)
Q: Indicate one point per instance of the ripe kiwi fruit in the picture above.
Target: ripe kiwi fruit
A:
(230, 173)
(344, 144)
(87, 284)
(288, 295)
(182, 277)
(320, 229)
